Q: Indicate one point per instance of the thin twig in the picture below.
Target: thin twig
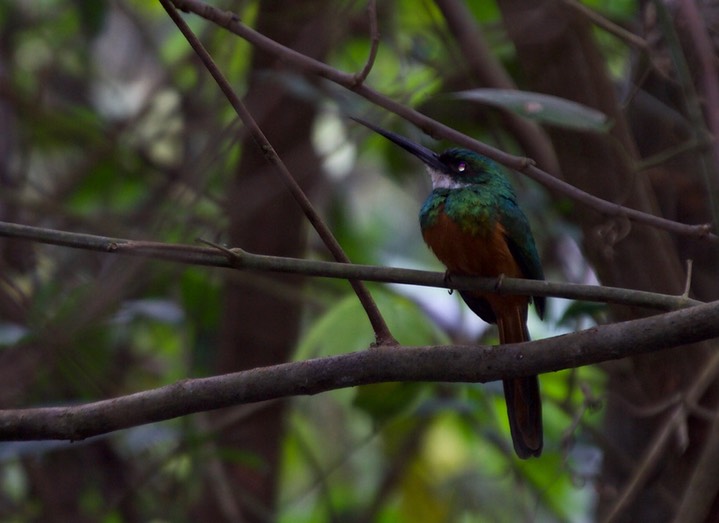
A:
(219, 256)
(608, 25)
(651, 410)
(374, 43)
(381, 330)
(688, 284)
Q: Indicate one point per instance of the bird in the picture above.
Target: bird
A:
(472, 223)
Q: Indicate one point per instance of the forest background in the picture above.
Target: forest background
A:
(129, 130)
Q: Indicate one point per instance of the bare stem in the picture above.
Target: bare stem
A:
(381, 330)
(219, 256)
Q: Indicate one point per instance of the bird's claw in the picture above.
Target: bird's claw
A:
(498, 284)
(448, 281)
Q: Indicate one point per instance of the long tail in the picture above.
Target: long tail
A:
(524, 404)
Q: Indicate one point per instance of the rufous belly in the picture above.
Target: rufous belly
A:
(483, 254)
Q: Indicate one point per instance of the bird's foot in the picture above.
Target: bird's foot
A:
(448, 281)
(498, 283)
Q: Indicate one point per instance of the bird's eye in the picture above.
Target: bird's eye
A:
(461, 167)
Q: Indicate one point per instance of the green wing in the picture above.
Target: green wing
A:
(521, 245)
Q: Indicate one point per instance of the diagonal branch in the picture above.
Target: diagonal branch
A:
(454, 363)
(381, 330)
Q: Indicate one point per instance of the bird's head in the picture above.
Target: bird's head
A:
(455, 168)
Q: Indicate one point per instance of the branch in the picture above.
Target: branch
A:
(231, 22)
(379, 326)
(609, 26)
(456, 363)
(243, 260)
(374, 43)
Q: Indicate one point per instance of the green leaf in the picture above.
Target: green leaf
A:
(543, 108)
(344, 327)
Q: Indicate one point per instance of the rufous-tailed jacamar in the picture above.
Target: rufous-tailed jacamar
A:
(473, 224)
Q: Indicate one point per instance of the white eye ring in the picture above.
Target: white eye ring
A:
(461, 167)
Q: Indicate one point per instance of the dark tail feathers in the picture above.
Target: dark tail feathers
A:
(524, 410)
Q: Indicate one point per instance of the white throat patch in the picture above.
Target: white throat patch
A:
(441, 180)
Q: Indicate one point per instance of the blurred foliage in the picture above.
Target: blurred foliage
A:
(117, 131)
(549, 110)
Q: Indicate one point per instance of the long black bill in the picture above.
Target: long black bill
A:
(428, 156)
